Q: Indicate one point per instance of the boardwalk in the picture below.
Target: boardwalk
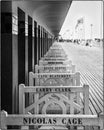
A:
(89, 61)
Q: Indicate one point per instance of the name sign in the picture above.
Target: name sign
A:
(52, 121)
(53, 90)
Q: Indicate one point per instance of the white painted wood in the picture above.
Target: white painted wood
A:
(3, 120)
(54, 58)
(71, 104)
(21, 99)
(36, 95)
(61, 104)
(31, 82)
(53, 89)
(51, 62)
(78, 84)
(53, 128)
(37, 89)
(86, 99)
(61, 120)
(55, 76)
(24, 127)
(55, 69)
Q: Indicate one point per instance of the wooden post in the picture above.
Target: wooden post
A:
(77, 79)
(71, 105)
(78, 84)
(86, 99)
(3, 120)
(36, 68)
(36, 96)
(86, 103)
(21, 99)
(36, 80)
(31, 83)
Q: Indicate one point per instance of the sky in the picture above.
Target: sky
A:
(91, 12)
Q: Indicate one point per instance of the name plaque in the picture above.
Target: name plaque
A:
(52, 121)
(53, 90)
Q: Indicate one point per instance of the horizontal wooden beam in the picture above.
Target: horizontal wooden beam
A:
(52, 88)
(50, 120)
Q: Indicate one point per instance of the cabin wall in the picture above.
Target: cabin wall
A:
(23, 43)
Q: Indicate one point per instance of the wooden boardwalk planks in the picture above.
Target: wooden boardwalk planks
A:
(89, 62)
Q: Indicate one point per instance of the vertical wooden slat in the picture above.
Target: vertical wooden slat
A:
(86, 99)
(71, 106)
(78, 84)
(21, 99)
(3, 120)
(31, 83)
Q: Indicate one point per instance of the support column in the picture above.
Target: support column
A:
(29, 44)
(35, 42)
(44, 41)
(15, 61)
(37, 46)
(50, 41)
(41, 42)
(33, 61)
(38, 43)
(26, 50)
(21, 46)
(6, 56)
(47, 41)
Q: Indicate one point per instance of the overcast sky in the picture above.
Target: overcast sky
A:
(90, 11)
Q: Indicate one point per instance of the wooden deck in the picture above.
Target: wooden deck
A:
(89, 62)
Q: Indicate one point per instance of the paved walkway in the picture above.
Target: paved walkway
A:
(89, 62)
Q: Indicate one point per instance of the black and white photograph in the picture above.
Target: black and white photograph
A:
(51, 69)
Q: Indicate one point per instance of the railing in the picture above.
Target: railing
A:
(54, 68)
(61, 78)
(47, 91)
(54, 58)
(51, 62)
